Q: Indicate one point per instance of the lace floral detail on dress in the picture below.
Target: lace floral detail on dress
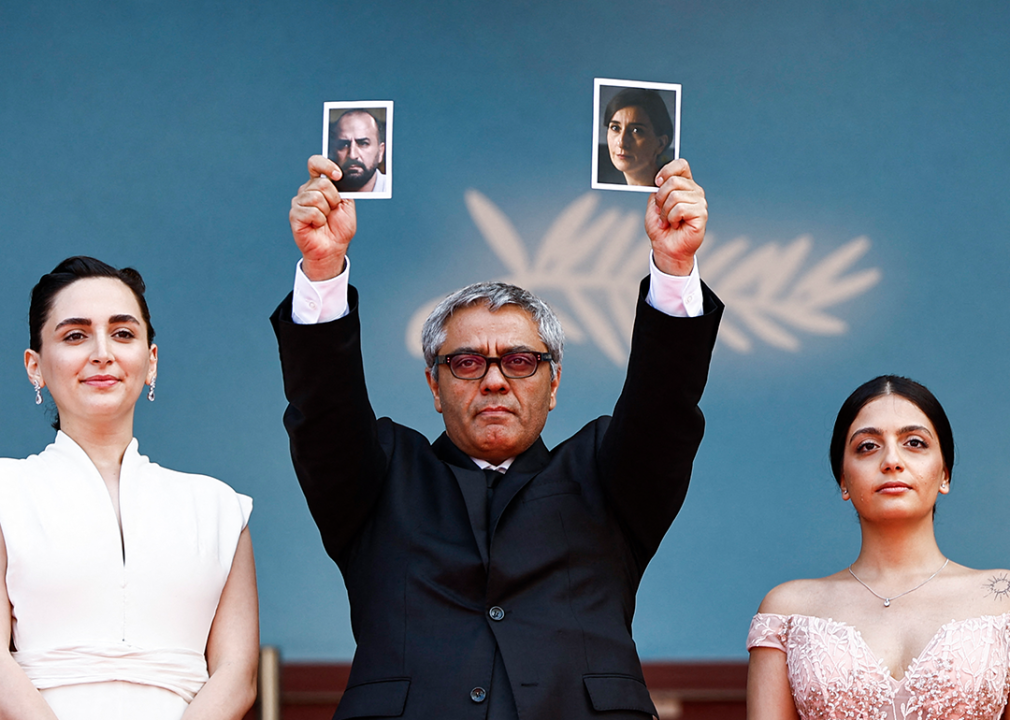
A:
(961, 674)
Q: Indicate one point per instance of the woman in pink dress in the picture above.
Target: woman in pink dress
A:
(903, 633)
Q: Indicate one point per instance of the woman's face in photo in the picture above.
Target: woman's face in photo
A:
(633, 143)
(95, 357)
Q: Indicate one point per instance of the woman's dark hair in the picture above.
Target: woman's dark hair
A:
(912, 391)
(67, 273)
(651, 103)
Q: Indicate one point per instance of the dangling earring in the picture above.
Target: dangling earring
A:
(150, 392)
(38, 392)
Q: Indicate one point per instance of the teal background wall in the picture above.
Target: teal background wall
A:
(171, 136)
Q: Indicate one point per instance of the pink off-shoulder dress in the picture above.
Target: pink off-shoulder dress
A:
(961, 674)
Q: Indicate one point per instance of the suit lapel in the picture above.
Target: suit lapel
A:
(472, 485)
(523, 469)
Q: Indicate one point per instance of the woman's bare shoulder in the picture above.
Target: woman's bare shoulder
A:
(989, 590)
(799, 597)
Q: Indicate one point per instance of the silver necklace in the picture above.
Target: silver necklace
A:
(887, 600)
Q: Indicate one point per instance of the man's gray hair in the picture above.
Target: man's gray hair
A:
(495, 295)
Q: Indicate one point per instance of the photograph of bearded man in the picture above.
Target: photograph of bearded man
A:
(357, 144)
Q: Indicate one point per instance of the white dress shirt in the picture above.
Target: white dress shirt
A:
(326, 300)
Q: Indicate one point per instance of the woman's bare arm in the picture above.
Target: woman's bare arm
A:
(19, 700)
(768, 694)
(233, 645)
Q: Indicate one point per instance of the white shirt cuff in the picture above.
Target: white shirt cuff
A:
(675, 295)
(319, 302)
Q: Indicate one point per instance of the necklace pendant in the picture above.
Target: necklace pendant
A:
(887, 600)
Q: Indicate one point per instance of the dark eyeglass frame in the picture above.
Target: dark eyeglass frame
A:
(488, 361)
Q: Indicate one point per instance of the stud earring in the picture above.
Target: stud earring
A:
(38, 392)
(150, 392)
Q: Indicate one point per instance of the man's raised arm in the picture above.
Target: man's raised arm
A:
(334, 442)
(648, 451)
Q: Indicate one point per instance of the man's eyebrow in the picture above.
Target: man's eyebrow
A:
(466, 350)
(475, 351)
(521, 348)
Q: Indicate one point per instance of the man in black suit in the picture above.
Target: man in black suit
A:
(488, 576)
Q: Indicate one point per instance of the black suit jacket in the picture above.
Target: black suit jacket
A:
(572, 530)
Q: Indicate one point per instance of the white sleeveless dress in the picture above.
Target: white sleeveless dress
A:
(110, 626)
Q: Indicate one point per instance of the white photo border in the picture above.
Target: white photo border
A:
(387, 107)
(664, 89)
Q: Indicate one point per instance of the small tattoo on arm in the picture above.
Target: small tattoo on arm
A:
(998, 586)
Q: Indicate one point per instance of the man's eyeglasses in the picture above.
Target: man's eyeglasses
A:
(472, 366)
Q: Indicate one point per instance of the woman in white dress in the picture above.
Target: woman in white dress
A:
(130, 589)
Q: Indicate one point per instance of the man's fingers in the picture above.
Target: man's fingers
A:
(306, 215)
(320, 166)
(678, 188)
(328, 190)
(678, 167)
(678, 184)
(318, 192)
(682, 203)
(678, 212)
(675, 175)
(318, 197)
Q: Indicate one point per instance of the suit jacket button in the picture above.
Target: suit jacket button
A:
(496, 613)
(478, 694)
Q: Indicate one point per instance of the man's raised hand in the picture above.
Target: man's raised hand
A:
(322, 222)
(675, 219)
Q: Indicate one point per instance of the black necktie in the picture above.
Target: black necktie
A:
(492, 476)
